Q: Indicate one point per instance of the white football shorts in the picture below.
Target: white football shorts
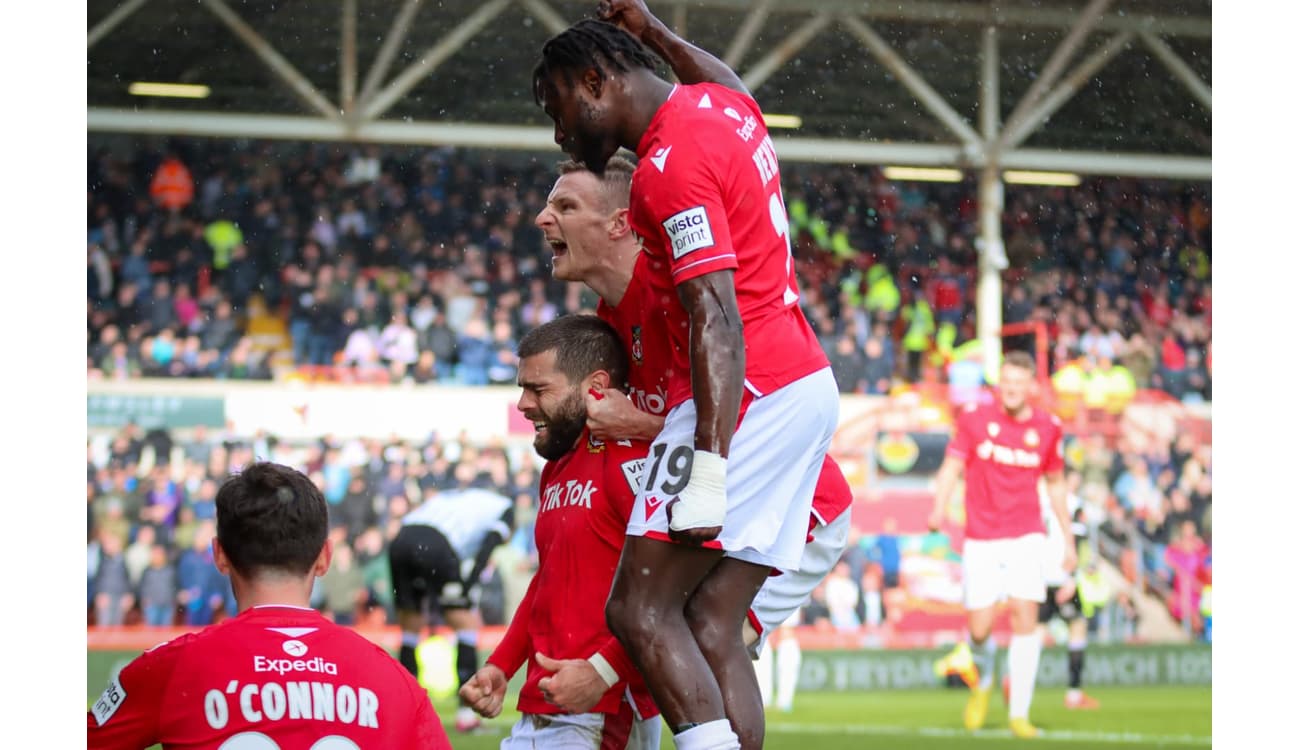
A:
(997, 569)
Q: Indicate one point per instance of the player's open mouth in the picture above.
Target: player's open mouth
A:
(558, 247)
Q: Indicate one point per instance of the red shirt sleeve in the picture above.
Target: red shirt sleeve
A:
(960, 445)
(428, 732)
(126, 714)
(623, 471)
(684, 197)
(1054, 458)
(515, 647)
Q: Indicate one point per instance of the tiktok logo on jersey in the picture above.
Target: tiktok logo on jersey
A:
(568, 494)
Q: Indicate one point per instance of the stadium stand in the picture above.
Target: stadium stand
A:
(330, 263)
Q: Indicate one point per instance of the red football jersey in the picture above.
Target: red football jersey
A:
(585, 499)
(1004, 459)
(269, 678)
(650, 358)
(706, 197)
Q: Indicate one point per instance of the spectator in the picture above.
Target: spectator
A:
(847, 365)
(200, 585)
(113, 589)
(158, 588)
(878, 365)
(344, 585)
(476, 353)
(842, 598)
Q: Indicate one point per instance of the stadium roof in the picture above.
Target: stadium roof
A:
(1120, 86)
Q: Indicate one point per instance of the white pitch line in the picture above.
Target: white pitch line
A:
(1048, 735)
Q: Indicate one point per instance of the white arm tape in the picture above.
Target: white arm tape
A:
(704, 501)
(603, 669)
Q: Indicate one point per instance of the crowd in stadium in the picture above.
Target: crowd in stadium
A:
(150, 519)
(425, 266)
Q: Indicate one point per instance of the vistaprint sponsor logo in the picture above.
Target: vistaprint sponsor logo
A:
(288, 666)
(688, 231)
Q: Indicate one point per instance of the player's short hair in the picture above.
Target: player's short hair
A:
(583, 344)
(271, 518)
(1021, 360)
(615, 182)
(590, 44)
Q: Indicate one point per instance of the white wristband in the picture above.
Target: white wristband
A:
(704, 500)
(603, 669)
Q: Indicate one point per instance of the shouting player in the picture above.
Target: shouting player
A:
(1003, 449)
(585, 497)
(723, 502)
(277, 676)
(585, 221)
(440, 552)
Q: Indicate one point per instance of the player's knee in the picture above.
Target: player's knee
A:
(709, 629)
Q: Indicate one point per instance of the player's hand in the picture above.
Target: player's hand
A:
(485, 692)
(575, 687)
(695, 516)
(1065, 592)
(630, 15)
(611, 415)
(936, 519)
(1071, 559)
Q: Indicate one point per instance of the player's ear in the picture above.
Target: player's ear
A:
(599, 380)
(322, 564)
(593, 82)
(219, 558)
(618, 224)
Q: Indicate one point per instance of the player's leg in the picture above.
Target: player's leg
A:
(716, 613)
(409, 591)
(1027, 591)
(646, 611)
(1078, 645)
(458, 611)
(789, 657)
(983, 586)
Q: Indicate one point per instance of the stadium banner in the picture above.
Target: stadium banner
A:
(305, 411)
(149, 411)
(1123, 665)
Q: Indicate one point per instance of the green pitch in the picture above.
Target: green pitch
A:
(1129, 717)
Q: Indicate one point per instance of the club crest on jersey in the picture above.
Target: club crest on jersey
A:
(994, 429)
(637, 351)
(594, 444)
(1031, 437)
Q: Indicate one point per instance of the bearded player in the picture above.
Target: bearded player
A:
(1003, 449)
(586, 494)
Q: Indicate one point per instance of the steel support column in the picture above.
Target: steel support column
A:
(993, 257)
(348, 57)
(111, 21)
(1055, 64)
(384, 58)
(1181, 70)
(1067, 88)
(916, 84)
(550, 18)
(788, 48)
(433, 57)
(278, 65)
(745, 35)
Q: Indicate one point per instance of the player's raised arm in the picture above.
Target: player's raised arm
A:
(690, 63)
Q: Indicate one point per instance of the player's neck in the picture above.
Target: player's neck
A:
(285, 592)
(611, 282)
(1019, 415)
(646, 93)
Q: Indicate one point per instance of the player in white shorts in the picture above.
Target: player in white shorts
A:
(1003, 449)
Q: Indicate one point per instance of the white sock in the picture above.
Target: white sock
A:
(985, 657)
(711, 735)
(788, 659)
(1022, 658)
(763, 670)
